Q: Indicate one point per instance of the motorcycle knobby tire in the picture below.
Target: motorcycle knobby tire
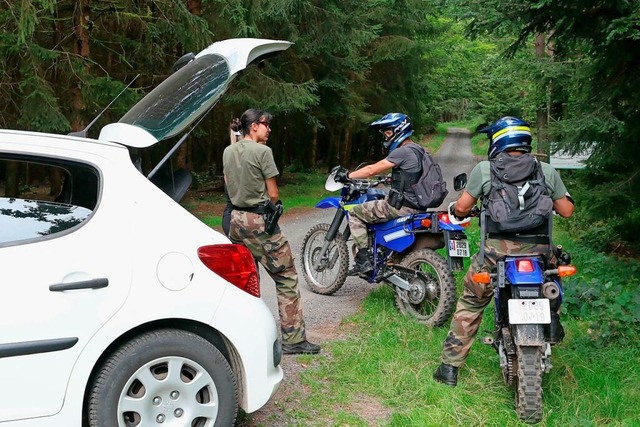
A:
(328, 277)
(433, 296)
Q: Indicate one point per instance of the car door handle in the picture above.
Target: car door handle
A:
(83, 284)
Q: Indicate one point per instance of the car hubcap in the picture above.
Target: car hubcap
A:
(169, 391)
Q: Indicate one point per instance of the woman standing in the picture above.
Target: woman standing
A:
(250, 176)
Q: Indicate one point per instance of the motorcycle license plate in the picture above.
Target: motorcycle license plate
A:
(529, 311)
(459, 248)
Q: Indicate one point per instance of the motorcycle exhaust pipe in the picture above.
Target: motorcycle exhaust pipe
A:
(551, 290)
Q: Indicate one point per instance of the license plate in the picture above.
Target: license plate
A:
(529, 311)
(459, 248)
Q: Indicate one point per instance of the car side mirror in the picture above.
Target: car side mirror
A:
(460, 181)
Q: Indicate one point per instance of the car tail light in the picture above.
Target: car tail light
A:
(234, 263)
(524, 266)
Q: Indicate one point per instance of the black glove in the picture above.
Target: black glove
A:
(342, 175)
(452, 211)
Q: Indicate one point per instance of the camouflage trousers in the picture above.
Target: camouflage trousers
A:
(371, 213)
(274, 253)
(476, 296)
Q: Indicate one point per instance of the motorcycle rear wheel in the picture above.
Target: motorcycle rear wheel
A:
(529, 383)
(330, 273)
(433, 295)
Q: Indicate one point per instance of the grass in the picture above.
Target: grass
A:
(379, 372)
(297, 190)
(388, 358)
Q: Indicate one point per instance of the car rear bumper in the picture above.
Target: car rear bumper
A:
(256, 343)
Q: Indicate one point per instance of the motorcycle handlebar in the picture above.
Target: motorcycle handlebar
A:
(368, 182)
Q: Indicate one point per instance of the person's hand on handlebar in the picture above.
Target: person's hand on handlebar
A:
(342, 175)
(452, 212)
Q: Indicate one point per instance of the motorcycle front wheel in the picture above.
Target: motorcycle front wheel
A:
(432, 296)
(327, 274)
(529, 383)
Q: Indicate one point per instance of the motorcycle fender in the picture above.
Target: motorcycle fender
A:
(329, 202)
(428, 240)
(528, 335)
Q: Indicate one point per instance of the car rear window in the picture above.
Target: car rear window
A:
(41, 198)
(169, 108)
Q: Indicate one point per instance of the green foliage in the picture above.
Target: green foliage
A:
(386, 360)
(603, 293)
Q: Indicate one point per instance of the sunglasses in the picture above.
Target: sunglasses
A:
(267, 124)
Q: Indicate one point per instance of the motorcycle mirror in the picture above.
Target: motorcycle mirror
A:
(460, 181)
(331, 184)
(480, 127)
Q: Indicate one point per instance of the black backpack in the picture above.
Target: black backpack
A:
(431, 189)
(519, 199)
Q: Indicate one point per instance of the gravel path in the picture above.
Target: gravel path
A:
(323, 314)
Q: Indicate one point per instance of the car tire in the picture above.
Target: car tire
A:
(166, 376)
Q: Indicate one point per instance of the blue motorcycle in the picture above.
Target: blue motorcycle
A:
(527, 295)
(403, 252)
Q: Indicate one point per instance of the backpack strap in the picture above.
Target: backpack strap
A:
(521, 192)
(419, 155)
(483, 235)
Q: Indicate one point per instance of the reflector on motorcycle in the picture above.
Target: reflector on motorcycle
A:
(482, 277)
(426, 223)
(524, 266)
(567, 270)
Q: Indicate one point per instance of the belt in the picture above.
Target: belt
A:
(537, 240)
(254, 209)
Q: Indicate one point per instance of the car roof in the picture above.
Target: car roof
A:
(188, 93)
(28, 141)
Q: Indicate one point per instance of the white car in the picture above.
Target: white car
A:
(118, 307)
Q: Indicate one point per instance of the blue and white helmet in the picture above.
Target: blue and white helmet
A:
(508, 133)
(400, 125)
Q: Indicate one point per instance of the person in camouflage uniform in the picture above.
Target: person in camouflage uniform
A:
(406, 169)
(513, 136)
(250, 177)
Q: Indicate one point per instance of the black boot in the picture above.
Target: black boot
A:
(555, 331)
(446, 374)
(304, 347)
(362, 264)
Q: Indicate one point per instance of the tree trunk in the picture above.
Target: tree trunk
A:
(345, 147)
(313, 149)
(81, 23)
(12, 180)
(542, 120)
(55, 174)
(195, 7)
(185, 152)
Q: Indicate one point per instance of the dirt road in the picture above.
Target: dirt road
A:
(323, 314)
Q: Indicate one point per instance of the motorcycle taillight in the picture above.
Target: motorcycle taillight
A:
(524, 266)
(234, 263)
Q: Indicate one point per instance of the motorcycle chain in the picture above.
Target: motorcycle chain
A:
(510, 350)
(409, 274)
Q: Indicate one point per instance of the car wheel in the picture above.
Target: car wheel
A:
(169, 377)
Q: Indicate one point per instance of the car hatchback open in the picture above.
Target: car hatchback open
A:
(119, 307)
